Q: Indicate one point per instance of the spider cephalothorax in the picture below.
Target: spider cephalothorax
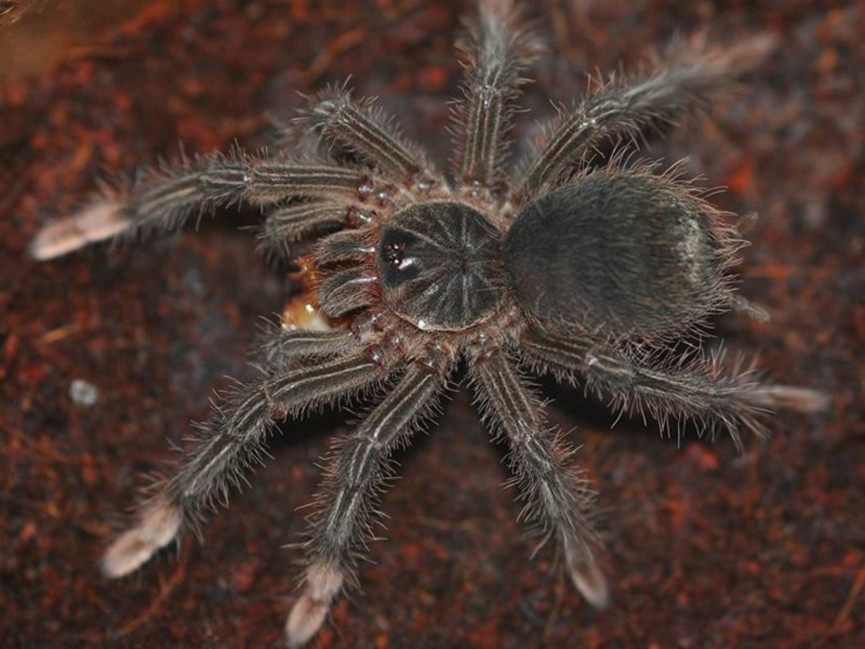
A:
(586, 269)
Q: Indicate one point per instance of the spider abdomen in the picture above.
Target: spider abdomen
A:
(632, 254)
(440, 265)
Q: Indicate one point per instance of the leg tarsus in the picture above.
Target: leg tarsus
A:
(98, 221)
(586, 574)
(743, 305)
(788, 397)
(158, 525)
(323, 581)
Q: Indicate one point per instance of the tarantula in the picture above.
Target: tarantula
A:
(588, 267)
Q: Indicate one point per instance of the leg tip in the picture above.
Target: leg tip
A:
(323, 582)
(589, 580)
(796, 399)
(99, 221)
(125, 555)
(586, 574)
(304, 621)
(158, 526)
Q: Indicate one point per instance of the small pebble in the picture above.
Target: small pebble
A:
(83, 393)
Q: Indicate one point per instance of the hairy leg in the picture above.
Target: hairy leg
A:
(363, 130)
(681, 388)
(680, 82)
(164, 200)
(231, 443)
(298, 222)
(556, 498)
(287, 345)
(346, 508)
(496, 53)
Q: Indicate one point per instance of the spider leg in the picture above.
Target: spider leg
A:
(680, 83)
(298, 222)
(165, 200)
(232, 444)
(556, 497)
(286, 345)
(496, 53)
(689, 389)
(750, 309)
(365, 131)
(358, 469)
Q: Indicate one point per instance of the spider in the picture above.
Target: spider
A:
(597, 269)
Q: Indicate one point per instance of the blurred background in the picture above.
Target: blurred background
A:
(38, 33)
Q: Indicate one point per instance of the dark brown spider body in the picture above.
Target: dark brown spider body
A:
(628, 254)
(427, 276)
(564, 268)
(440, 266)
